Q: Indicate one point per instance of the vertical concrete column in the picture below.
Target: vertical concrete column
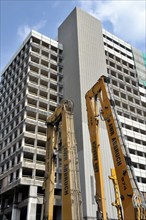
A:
(20, 173)
(14, 176)
(32, 203)
(15, 209)
(15, 213)
(42, 212)
(15, 159)
(19, 197)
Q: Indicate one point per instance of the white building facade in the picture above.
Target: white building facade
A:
(31, 88)
(33, 84)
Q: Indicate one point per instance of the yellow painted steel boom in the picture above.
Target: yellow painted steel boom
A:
(117, 202)
(63, 119)
(93, 122)
(132, 200)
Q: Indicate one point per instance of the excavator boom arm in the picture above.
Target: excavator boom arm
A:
(126, 192)
(63, 119)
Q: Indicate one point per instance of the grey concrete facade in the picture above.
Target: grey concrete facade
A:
(89, 52)
(31, 88)
(84, 63)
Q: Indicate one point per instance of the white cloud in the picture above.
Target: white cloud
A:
(24, 30)
(128, 17)
(55, 4)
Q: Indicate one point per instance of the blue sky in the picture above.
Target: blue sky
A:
(124, 18)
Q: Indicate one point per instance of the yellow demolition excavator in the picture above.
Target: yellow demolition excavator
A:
(62, 122)
(129, 201)
(133, 204)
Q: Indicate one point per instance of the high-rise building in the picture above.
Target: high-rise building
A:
(31, 88)
(89, 52)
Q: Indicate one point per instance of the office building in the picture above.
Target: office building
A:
(89, 52)
(32, 85)
(31, 88)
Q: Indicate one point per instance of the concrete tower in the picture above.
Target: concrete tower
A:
(89, 52)
(31, 88)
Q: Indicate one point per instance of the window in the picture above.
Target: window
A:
(120, 76)
(35, 40)
(114, 82)
(11, 177)
(112, 64)
(44, 63)
(123, 95)
(35, 59)
(46, 45)
(17, 174)
(121, 86)
(113, 73)
(44, 83)
(27, 172)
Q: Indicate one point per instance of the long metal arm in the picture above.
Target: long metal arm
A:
(121, 161)
(93, 122)
(117, 202)
(49, 180)
(71, 193)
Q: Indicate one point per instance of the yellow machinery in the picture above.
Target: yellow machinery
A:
(132, 201)
(117, 202)
(61, 121)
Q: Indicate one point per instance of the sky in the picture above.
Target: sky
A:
(123, 18)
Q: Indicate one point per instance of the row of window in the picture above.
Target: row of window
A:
(10, 126)
(46, 54)
(13, 103)
(31, 157)
(13, 92)
(42, 70)
(132, 128)
(130, 108)
(11, 149)
(9, 113)
(42, 106)
(130, 102)
(138, 153)
(118, 51)
(123, 73)
(13, 176)
(14, 73)
(46, 45)
(126, 80)
(127, 97)
(42, 93)
(32, 128)
(140, 179)
(135, 140)
(121, 85)
(118, 61)
(10, 163)
(32, 142)
(126, 114)
(12, 136)
(117, 43)
(43, 62)
(29, 172)
(14, 81)
(35, 79)
(36, 116)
